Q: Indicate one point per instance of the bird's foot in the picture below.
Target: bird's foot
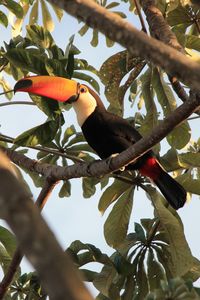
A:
(114, 155)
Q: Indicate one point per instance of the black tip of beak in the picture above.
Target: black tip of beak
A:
(21, 84)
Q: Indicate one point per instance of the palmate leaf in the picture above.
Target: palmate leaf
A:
(116, 225)
(180, 252)
(40, 36)
(180, 135)
(95, 33)
(29, 60)
(41, 134)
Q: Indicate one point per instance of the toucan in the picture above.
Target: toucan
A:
(105, 132)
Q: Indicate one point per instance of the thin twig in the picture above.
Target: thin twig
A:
(17, 257)
(140, 16)
(16, 102)
(7, 139)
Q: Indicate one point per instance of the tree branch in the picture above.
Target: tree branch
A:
(136, 42)
(103, 167)
(158, 25)
(17, 257)
(58, 276)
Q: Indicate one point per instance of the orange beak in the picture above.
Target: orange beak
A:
(57, 88)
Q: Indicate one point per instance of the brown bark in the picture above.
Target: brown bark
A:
(55, 268)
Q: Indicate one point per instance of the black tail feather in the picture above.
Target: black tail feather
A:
(174, 193)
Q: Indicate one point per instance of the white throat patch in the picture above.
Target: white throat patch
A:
(84, 107)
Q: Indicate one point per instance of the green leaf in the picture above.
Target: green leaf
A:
(83, 30)
(49, 106)
(109, 42)
(87, 78)
(141, 276)
(40, 36)
(15, 8)
(151, 118)
(6, 87)
(140, 232)
(8, 240)
(88, 185)
(112, 5)
(104, 282)
(77, 247)
(58, 11)
(112, 72)
(34, 13)
(155, 271)
(111, 194)
(3, 19)
(46, 17)
(180, 136)
(27, 60)
(95, 38)
(65, 190)
(170, 161)
(189, 159)
(41, 134)
(165, 258)
(56, 67)
(116, 225)
(191, 185)
(179, 16)
(181, 255)
(70, 131)
(192, 42)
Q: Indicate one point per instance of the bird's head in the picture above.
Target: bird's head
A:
(83, 99)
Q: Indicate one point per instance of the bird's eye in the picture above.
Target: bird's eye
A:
(83, 89)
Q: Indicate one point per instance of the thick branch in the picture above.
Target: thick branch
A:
(136, 42)
(55, 269)
(17, 257)
(99, 168)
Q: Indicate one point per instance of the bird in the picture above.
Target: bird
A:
(107, 134)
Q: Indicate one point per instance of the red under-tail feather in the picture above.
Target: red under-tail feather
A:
(174, 193)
